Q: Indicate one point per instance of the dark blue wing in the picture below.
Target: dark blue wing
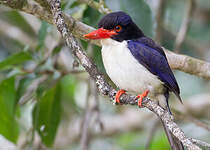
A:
(151, 56)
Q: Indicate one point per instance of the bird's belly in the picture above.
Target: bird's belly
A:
(126, 72)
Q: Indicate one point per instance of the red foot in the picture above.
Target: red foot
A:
(117, 96)
(141, 96)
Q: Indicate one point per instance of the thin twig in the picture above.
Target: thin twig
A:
(95, 107)
(44, 4)
(159, 20)
(86, 121)
(192, 119)
(168, 34)
(85, 138)
(151, 133)
(101, 7)
(201, 143)
(28, 95)
(199, 123)
(89, 113)
(185, 25)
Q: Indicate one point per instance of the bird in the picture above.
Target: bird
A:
(134, 62)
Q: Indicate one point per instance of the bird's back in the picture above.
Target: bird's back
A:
(151, 56)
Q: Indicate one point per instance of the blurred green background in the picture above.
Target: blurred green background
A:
(45, 103)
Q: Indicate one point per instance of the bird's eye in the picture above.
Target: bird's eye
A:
(118, 28)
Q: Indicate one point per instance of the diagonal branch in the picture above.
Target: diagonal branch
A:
(104, 87)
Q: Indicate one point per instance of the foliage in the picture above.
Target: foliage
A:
(15, 59)
(8, 125)
(47, 113)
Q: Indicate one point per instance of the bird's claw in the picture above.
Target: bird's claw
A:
(141, 96)
(117, 96)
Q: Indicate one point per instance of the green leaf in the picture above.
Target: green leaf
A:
(46, 115)
(91, 16)
(138, 10)
(68, 84)
(8, 124)
(15, 59)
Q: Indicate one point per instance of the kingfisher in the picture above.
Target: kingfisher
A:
(133, 61)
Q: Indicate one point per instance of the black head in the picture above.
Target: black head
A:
(122, 23)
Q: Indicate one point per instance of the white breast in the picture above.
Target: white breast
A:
(125, 71)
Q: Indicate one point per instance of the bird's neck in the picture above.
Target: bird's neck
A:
(110, 42)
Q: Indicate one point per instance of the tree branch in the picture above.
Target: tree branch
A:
(188, 64)
(188, 117)
(151, 133)
(159, 20)
(104, 87)
(15, 4)
(201, 143)
(44, 4)
(101, 7)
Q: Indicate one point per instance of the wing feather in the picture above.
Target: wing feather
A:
(151, 56)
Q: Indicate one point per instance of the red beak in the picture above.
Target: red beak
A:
(100, 34)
